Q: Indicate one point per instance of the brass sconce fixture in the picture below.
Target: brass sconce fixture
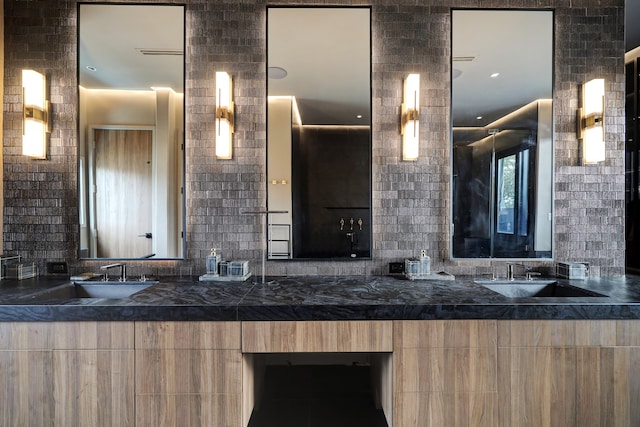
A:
(590, 121)
(224, 115)
(410, 120)
(35, 118)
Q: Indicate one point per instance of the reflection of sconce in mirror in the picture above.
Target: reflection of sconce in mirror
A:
(35, 122)
(410, 120)
(224, 115)
(591, 122)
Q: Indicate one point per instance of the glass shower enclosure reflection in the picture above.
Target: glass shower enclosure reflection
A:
(502, 197)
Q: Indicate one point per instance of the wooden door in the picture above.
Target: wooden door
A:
(123, 192)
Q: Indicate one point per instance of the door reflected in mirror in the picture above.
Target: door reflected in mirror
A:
(319, 132)
(130, 131)
(502, 137)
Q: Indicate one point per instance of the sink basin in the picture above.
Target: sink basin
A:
(535, 288)
(112, 290)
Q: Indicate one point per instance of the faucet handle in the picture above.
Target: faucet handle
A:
(529, 274)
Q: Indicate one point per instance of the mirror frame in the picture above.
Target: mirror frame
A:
(83, 162)
(369, 124)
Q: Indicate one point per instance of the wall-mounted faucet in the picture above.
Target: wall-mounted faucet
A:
(123, 271)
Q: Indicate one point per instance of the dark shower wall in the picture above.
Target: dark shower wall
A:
(331, 181)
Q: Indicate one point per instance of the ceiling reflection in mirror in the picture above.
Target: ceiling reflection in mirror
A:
(502, 136)
(130, 131)
(319, 133)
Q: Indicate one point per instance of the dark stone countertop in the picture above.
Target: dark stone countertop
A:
(319, 298)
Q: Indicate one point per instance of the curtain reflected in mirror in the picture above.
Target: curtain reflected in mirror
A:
(319, 133)
(130, 131)
(502, 156)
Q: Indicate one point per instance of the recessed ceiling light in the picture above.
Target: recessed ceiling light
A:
(494, 75)
(276, 73)
(479, 118)
(91, 68)
(359, 116)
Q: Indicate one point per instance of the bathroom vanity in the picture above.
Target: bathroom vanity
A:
(444, 353)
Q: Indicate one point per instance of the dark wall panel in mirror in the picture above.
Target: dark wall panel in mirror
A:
(502, 145)
(319, 132)
(331, 192)
(131, 131)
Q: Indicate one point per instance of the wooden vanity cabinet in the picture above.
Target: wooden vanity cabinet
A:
(517, 373)
(445, 373)
(569, 373)
(188, 373)
(504, 373)
(67, 374)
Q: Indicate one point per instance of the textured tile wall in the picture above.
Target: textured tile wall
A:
(410, 200)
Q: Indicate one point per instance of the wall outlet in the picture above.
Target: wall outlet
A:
(396, 268)
(57, 267)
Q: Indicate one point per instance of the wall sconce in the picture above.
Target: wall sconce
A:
(410, 120)
(35, 118)
(590, 122)
(224, 115)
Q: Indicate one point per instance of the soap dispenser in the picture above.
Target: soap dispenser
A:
(212, 263)
(425, 263)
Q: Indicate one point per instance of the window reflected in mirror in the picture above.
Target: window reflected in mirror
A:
(130, 131)
(502, 136)
(319, 133)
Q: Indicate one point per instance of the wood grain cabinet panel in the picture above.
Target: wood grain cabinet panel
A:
(188, 373)
(317, 336)
(569, 373)
(67, 374)
(189, 410)
(537, 386)
(189, 335)
(608, 387)
(66, 335)
(445, 373)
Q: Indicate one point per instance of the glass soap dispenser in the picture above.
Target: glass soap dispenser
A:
(213, 260)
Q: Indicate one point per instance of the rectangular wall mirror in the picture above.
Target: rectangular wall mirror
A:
(502, 136)
(131, 131)
(319, 132)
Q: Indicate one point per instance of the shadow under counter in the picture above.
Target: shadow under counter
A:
(317, 396)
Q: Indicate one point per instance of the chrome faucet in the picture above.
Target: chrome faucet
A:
(123, 271)
(511, 268)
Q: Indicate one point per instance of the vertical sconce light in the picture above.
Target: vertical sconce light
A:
(35, 118)
(591, 122)
(410, 121)
(224, 115)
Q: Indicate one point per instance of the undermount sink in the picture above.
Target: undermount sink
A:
(111, 290)
(535, 288)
